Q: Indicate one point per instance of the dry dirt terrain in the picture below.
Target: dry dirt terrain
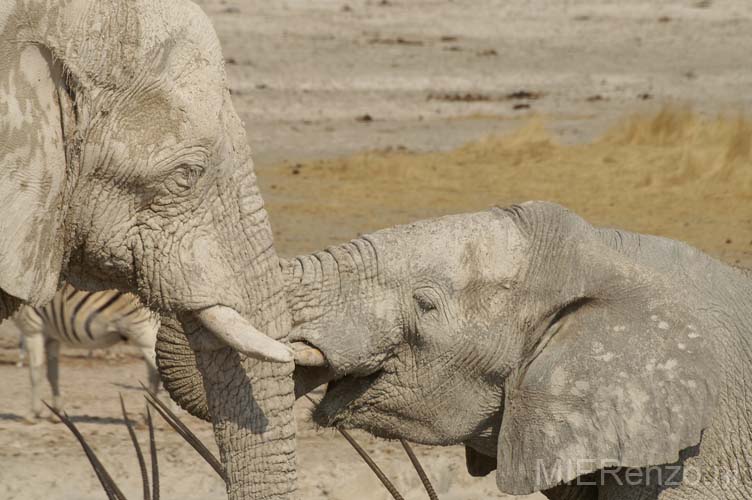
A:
(367, 114)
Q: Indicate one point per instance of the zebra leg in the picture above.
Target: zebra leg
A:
(35, 348)
(52, 349)
(151, 366)
(21, 351)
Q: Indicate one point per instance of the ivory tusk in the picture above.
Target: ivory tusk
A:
(235, 331)
(306, 355)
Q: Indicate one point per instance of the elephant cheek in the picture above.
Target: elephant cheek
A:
(207, 277)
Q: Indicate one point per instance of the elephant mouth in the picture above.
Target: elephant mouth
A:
(343, 390)
(342, 398)
(312, 368)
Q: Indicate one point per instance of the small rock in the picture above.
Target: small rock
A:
(458, 97)
(524, 94)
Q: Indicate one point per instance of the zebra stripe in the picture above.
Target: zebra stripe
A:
(79, 318)
(87, 320)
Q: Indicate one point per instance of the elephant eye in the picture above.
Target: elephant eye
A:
(424, 303)
(185, 176)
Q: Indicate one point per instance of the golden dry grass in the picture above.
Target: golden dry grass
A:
(674, 173)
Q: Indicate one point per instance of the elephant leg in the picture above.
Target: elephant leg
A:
(52, 349)
(35, 348)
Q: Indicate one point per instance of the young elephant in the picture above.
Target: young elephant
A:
(557, 353)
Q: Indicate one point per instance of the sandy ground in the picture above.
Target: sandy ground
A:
(367, 114)
(42, 461)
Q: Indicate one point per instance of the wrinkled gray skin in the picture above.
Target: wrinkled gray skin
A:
(124, 165)
(535, 339)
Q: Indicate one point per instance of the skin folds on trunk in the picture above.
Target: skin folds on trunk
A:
(251, 406)
(249, 401)
(249, 419)
(315, 284)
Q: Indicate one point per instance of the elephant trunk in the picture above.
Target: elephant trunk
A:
(228, 363)
(251, 406)
(250, 400)
(316, 284)
(250, 403)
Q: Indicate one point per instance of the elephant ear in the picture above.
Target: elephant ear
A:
(613, 385)
(36, 110)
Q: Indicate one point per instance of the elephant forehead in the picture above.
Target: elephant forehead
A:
(163, 57)
(191, 111)
(111, 43)
(201, 103)
(464, 249)
(199, 90)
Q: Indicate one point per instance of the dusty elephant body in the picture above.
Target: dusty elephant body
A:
(558, 353)
(124, 165)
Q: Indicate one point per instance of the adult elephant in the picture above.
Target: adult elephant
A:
(124, 165)
(558, 353)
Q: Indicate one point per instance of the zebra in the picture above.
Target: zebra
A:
(85, 320)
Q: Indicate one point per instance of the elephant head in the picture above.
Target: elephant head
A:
(548, 347)
(123, 164)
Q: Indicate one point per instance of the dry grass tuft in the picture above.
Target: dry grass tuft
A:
(698, 149)
(675, 173)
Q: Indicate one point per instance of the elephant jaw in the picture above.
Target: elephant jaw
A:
(234, 331)
(313, 369)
